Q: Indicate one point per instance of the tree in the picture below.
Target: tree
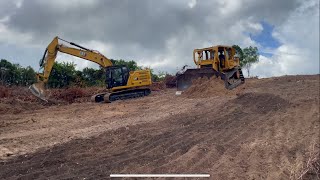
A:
(27, 76)
(14, 74)
(239, 53)
(94, 77)
(62, 75)
(132, 65)
(250, 56)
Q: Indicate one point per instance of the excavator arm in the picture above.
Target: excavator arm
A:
(49, 58)
(54, 47)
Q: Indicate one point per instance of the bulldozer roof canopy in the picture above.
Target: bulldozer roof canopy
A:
(213, 48)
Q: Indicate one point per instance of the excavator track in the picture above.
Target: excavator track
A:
(120, 95)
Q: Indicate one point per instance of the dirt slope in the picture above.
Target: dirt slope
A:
(269, 131)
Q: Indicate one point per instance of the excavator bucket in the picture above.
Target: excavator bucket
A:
(38, 90)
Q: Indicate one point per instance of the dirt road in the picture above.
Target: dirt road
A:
(267, 130)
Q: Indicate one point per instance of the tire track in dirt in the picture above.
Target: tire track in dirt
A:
(183, 140)
(257, 135)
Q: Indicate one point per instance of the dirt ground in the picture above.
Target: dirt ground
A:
(266, 129)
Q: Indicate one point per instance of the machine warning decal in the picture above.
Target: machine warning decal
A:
(82, 53)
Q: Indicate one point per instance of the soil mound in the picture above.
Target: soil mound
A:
(171, 81)
(19, 99)
(206, 87)
(158, 86)
(4, 92)
(73, 94)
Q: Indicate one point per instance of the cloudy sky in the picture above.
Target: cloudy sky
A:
(162, 34)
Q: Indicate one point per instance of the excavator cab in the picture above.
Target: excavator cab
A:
(117, 76)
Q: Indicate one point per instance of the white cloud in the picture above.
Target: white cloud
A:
(266, 67)
(299, 52)
(80, 63)
(67, 4)
(163, 34)
(4, 19)
(18, 3)
(10, 36)
(192, 3)
(229, 7)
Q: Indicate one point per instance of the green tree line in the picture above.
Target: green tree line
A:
(65, 74)
(14, 74)
(62, 75)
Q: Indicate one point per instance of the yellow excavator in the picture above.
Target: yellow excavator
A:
(121, 83)
(219, 61)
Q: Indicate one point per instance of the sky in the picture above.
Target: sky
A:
(162, 34)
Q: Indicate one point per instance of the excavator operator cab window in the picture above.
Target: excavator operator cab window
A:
(117, 76)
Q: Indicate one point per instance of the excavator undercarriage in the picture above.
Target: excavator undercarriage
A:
(120, 95)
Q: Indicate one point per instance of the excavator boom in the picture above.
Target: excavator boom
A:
(49, 57)
(54, 47)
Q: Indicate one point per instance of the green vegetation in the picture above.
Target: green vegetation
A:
(14, 74)
(247, 56)
(63, 74)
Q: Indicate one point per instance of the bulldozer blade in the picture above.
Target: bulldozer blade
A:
(37, 90)
(184, 81)
(232, 78)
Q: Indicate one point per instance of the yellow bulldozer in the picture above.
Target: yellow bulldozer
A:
(219, 61)
(121, 83)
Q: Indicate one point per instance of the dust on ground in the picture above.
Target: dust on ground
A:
(270, 130)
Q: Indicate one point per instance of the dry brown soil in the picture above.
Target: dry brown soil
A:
(266, 129)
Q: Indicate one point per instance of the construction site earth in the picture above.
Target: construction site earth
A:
(264, 129)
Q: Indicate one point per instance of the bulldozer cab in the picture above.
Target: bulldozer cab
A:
(219, 58)
(204, 57)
